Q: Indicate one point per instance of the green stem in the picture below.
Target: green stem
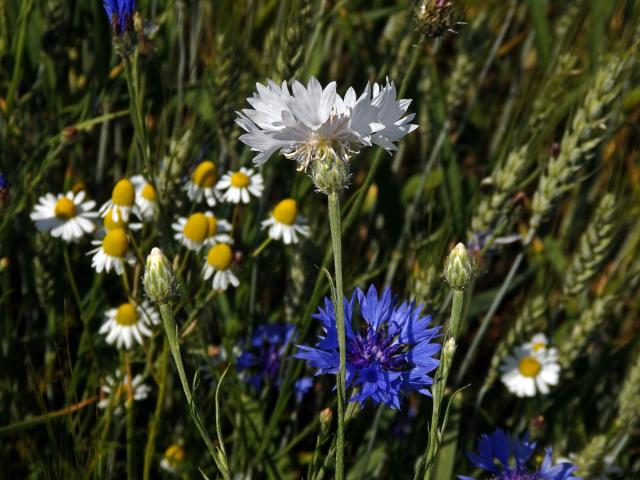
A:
(336, 243)
(131, 470)
(155, 420)
(466, 363)
(171, 330)
(435, 429)
(72, 279)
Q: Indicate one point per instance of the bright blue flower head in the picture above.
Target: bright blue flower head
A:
(119, 13)
(263, 358)
(506, 457)
(391, 352)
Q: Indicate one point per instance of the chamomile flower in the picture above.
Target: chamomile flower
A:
(146, 198)
(239, 186)
(218, 265)
(122, 202)
(193, 231)
(173, 458)
(108, 223)
(67, 216)
(531, 369)
(507, 457)
(285, 223)
(112, 252)
(203, 183)
(116, 390)
(315, 123)
(218, 231)
(129, 322)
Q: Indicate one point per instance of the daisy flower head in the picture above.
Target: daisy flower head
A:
(315, 123)
(129, 322)
(531, 369)
(122, 202)
(202, 183)
(238, 187)
(146, 199)
(507, 457)
(218, 265)
(115, 391)
(285, 223)
(192, 231)
(108, 223)
(173, 458)
(218, 231)
(391, 353)
(112, 252)
(67, 216)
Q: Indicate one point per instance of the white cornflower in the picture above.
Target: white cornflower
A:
(531, 369)
(173, 458)
(238, 185)
(193, 231)
(315, 123)
(285, 223)
(116, 390)
(112, 252)
(146, 198)
(67, 216)
(218, 231)
(129, 322)
(203, 183)
(218, 264)
(123, 197)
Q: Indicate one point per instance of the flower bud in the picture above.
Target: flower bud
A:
(330, 174)
(326, 416)
(458, 268)
(159, 280)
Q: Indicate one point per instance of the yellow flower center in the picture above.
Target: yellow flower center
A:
(115, 243)
(240, 180)
(123, 193)
(205, 174)
(220, 256)
(109, 223)
(196, 228)
(149, 193)
(127, 315)
(175, 453)
(286, 211)
(538, 346)
(529, 367)
(213, 225)
(65, 209)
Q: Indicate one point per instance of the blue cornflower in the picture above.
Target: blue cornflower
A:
(120, 13)
(263, 358)
(506, 458)
(390, 353)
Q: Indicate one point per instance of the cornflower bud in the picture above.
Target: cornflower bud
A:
(458, 268)
(159, 280)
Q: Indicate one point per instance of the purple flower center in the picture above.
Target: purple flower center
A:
(374, 347)
(519, 474)
(269, 357)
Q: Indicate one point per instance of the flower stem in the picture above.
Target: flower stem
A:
(155, 420)
(440, 383)
(131, 469)
(494, 307)
(336, 243)
(171, 331)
